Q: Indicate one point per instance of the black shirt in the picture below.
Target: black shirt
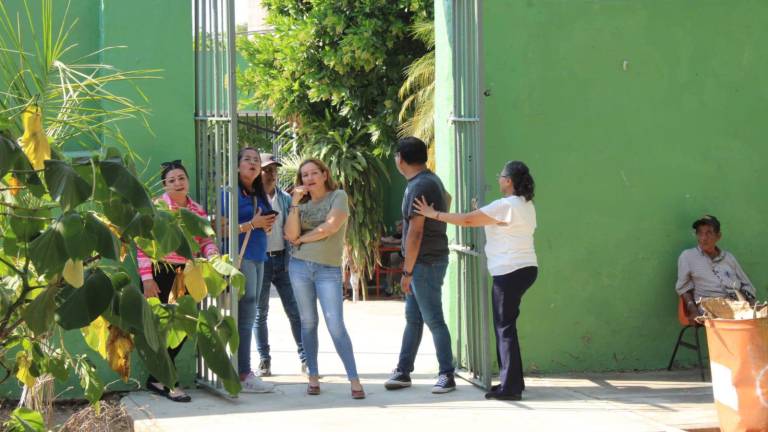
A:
(434, 243)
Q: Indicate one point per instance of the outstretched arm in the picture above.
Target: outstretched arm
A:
(473, 219)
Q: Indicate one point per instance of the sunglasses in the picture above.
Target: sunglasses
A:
(166, 165)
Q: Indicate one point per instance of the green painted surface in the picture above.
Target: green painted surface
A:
(163, 40)
(157, 35)
(635, 118)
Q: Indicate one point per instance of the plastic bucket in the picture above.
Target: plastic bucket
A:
(738, 353)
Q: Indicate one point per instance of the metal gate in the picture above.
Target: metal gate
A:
(473, 356)
(216, 136)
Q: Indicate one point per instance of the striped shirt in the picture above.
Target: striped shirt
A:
(710, 277)
(207, 245)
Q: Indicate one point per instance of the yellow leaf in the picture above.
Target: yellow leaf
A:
(14, 185)
(73, 273)
(194, 281)
(34, 142)
(119, 347)
(24, 375)
(96, 335)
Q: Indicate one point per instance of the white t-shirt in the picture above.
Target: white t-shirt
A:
(509, 245)
(275, 240)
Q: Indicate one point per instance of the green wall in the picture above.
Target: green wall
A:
(635, 119)
(153, 35)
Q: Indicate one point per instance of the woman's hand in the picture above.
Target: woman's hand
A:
(295, 242)
(298, 194)
(264, 222)
(150, 288)
(421, 207)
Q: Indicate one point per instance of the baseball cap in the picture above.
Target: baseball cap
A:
(269, 159)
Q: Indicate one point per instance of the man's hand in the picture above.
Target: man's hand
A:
(405, 283)
(691, 311)
(150, 288)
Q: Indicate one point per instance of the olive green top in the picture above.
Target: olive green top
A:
(329, 250)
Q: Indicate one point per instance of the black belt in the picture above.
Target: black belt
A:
(276, 253)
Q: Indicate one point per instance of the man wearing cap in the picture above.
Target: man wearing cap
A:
(275, 270)
(708, 271)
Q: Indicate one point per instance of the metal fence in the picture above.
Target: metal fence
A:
(473, 355)
(216, 137)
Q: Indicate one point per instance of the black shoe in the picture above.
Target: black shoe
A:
(265, 367)
(398, 380)
(501, 396)
(445, 383)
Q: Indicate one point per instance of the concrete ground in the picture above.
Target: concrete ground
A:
(645, 401)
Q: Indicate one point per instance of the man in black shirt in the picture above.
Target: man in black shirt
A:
(425, 248)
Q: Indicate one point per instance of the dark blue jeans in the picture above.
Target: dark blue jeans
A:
(276, 272)
(424, 305)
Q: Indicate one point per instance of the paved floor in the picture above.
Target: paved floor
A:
(648, 401)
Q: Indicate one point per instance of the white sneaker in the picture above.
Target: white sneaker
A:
(254, 384)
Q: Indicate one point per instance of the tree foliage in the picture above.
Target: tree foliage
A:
(332, 70)
(67, 225)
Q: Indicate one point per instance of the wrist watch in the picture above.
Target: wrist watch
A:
(407, 273)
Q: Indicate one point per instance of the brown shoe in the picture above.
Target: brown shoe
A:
(313, 390)
(358, 394)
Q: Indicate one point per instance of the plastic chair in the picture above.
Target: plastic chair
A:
(682, 317)
(379, 270)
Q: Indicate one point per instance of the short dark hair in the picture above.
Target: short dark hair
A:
(707, 220)
(412, 150)
(170, 166)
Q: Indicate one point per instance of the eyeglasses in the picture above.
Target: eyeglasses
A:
(166, 165)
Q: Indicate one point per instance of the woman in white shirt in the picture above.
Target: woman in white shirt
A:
(509, 225)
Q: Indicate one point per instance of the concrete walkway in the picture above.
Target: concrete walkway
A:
(648, 401)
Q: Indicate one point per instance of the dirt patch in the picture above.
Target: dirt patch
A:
(78, 416)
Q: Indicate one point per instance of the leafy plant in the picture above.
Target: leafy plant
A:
(417, 115)
(67, 226)
(331, 71)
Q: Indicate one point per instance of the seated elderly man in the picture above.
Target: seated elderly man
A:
(708, 271)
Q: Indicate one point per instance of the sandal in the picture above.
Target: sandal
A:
(166, 392)
(358, 394)
(313, 390)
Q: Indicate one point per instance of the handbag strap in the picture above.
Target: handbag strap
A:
(245, 240)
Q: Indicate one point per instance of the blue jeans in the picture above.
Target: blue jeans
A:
(425, 305)
(312, 282)
(275, 272)
(246, 311)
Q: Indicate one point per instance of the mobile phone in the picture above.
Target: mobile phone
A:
(270, 213)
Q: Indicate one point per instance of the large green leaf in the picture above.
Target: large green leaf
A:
(65, 185)
(107, 245)
(166, 233)
(26, 224)
(139, 226)
(131, 305)
(9, 153)
(225, 268)
(78, 240)
(213, 350)
(157, 362)
(195, 224)
(86, 303)
(25, 420)
(118, 210)
(48, 252)
(121, 180)
(185, 314)
(228, 333)
(39, 314)
(213, 280)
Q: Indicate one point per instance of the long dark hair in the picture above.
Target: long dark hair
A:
(521, 178)
(257, 185)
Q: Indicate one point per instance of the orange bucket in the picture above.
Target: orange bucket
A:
(738, 354)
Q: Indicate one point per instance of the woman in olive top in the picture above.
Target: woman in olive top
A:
(316, 225)
(509, 225)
